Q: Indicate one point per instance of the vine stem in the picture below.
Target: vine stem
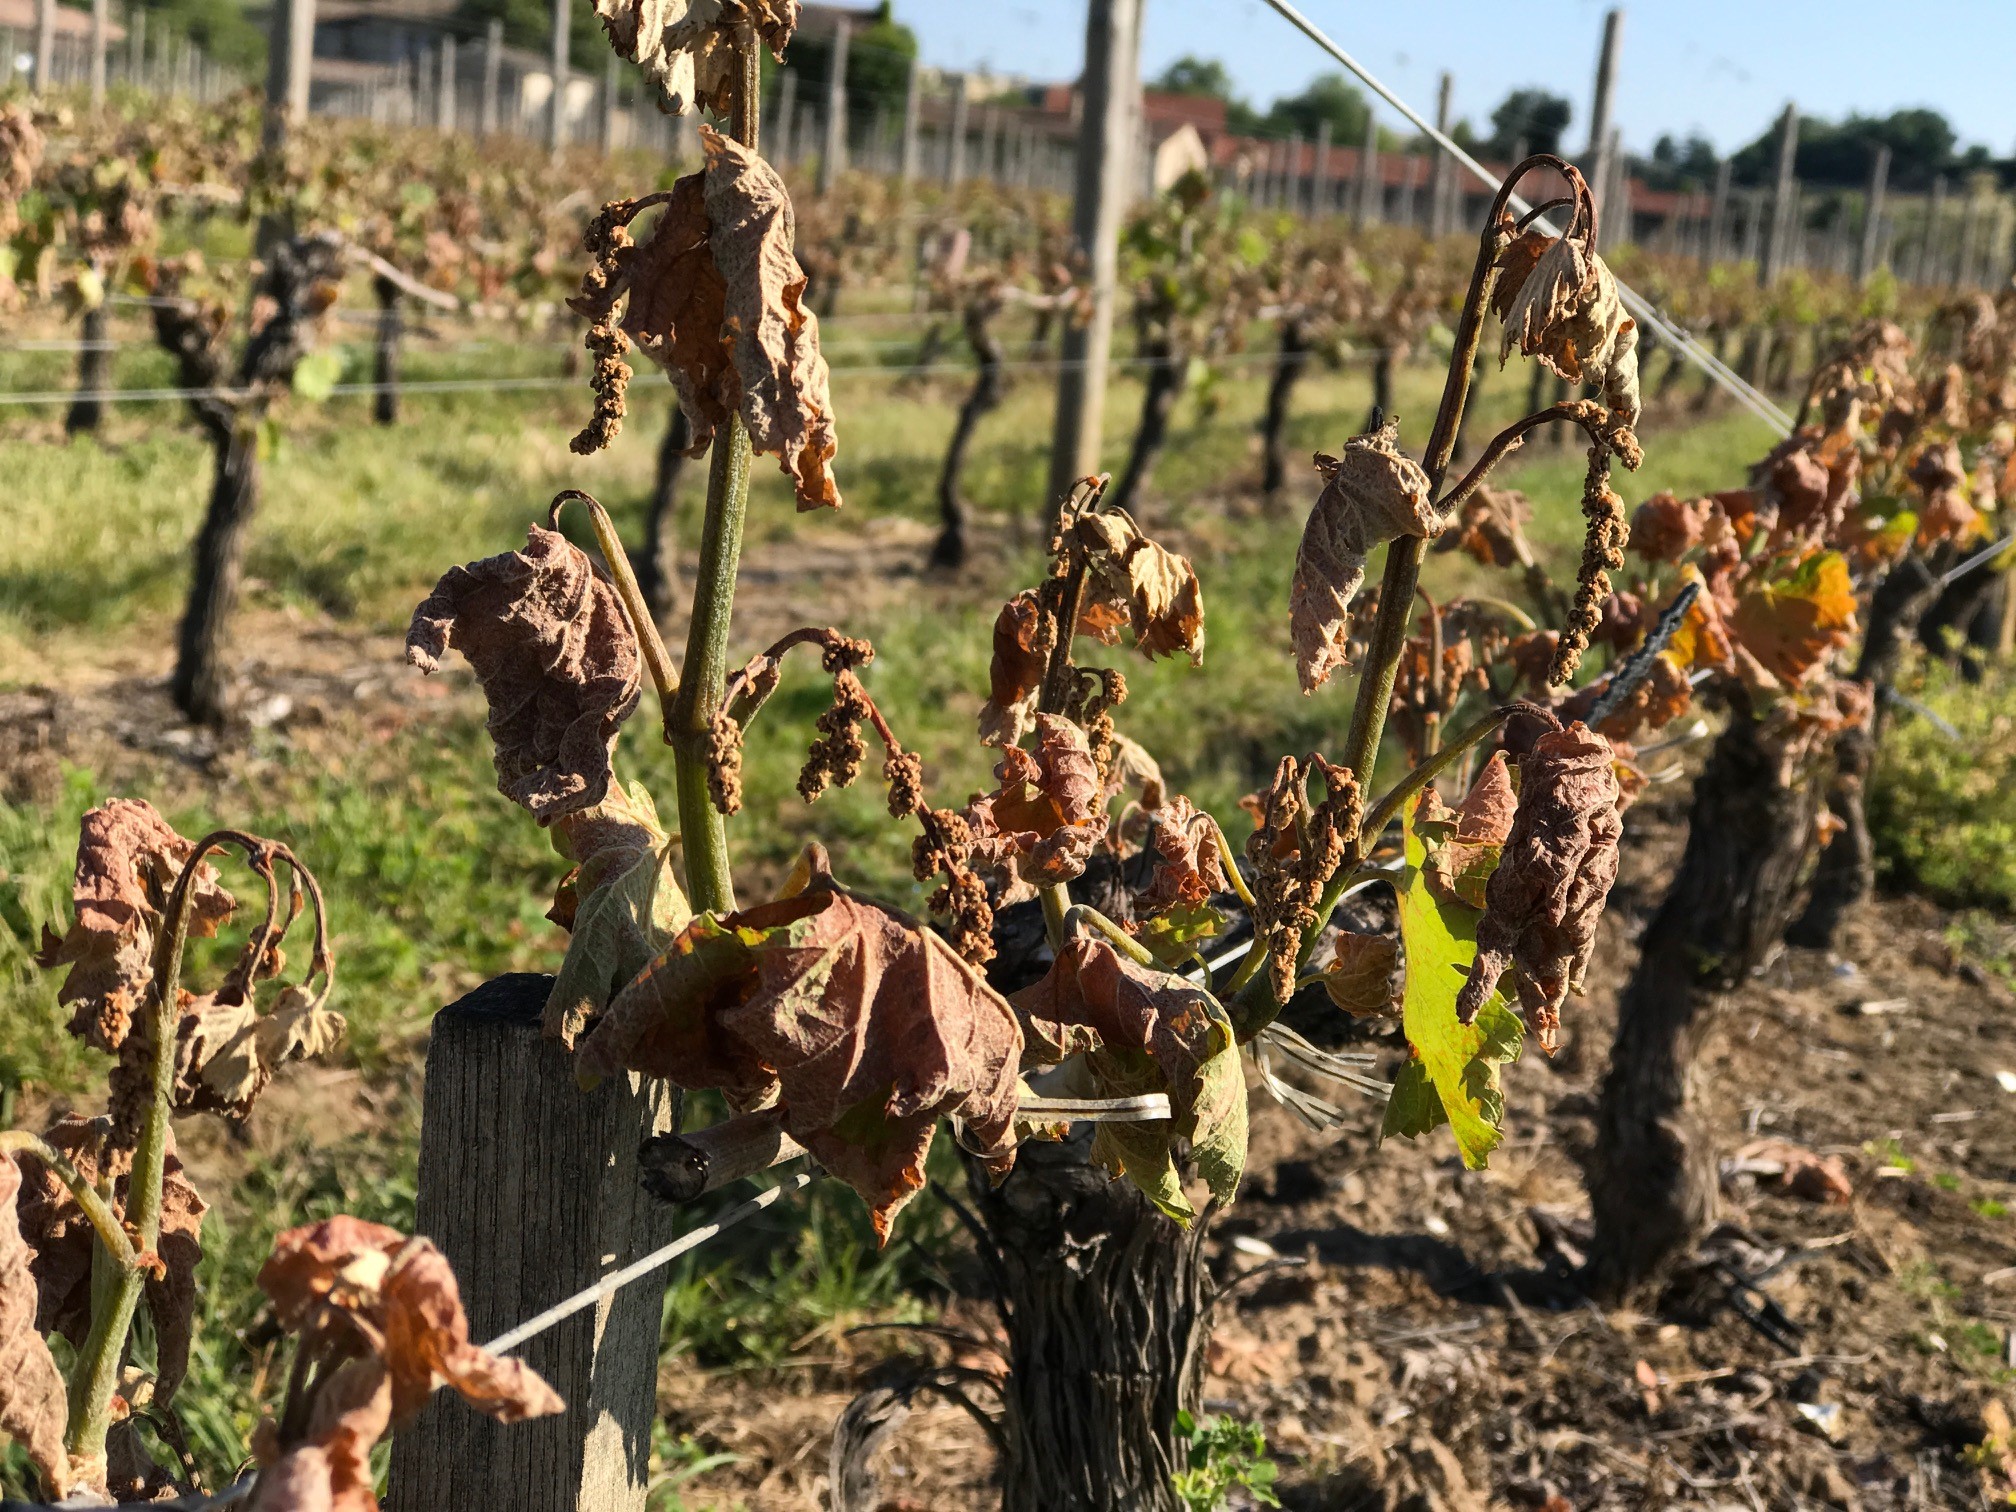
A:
(657, 660)
(104, 1222)
(710, 882)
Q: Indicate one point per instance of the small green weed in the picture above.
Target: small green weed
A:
(1222, 1455)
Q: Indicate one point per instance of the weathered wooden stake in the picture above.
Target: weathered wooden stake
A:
(101, 26)
(611, 83)
(493, 76)
(1371, 193)
(530, 1187)
(1104, 173)
(913, 100)
(1595, 162)
(1779, 234)
(45, 46)
(444, 87)
(833, 155)
(1441, 210)
(955, 141)
(556, 111)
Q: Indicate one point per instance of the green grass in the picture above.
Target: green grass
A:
(436, 882)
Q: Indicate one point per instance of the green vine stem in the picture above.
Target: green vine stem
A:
(104, 1222)
(657, 660)
(710, 882)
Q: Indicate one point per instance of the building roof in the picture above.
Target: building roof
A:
(19, 15)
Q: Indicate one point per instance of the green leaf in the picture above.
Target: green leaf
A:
(1453, 1076)
(627, 903)
(317, 374)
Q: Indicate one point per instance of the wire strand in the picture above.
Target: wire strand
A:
(1641, 308)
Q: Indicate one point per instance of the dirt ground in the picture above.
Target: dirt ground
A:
(1826, 1353)
(1843, 1354)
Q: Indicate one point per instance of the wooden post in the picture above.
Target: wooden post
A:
(605, 133)
(1716, 246)
(1612, 195)
(1444, 181)
(444, 87)
(556, 110)
(1872, 217)
(990, 143)
(1776, 243)
(1595, 162)
(493, 76)
(101, 25)
(1928, 271)
(1111, 73)
(955, 140)
(45, 46)
(136, 47)
(530, 1187)
(1321, 198)
(833, 153)
(913, 101)
(783, 114)
(1371, 192)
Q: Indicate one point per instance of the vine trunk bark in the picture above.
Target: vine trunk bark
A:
(1291, 361)
(657, 568)
(1167, 372)
(1107, 1309)
(200, 683)
(94, 374)
(950, 549)
(385, 352)
(1652, 1179)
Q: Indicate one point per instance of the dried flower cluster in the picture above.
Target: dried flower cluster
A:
(1295, 850)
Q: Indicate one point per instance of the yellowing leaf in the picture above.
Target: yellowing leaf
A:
(1453, 1076)
(1791, 621)
(627, 905)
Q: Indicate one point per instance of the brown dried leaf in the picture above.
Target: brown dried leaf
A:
(1492, 528)
(685, 48)
(1792, 618)
(1156, 588)
(1543, 902)
(1802, 1172)
(62, 1240)
(863, 1027)
(34, 1406)
(128, 858)
(427, 1343)
(1666, 527)
(1022, 645)
(1464, 843)
(1370, 495)
(557, 661)
(330, 1469)
(227, 1052)
(1363, 977)
(1046, 815)
(775, 336)
(1186, 869)
(1566, 312)
(678, 308)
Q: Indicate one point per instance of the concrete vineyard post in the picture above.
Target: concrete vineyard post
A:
(912, 109)
(833, 153)
(1779, 232)
(558, 42)
(1595, 162)
(1441, 210)
(1104, 159)
(955, 140)
(1371, 195)
(1321, 200)
(529, 1186)
(493, 76)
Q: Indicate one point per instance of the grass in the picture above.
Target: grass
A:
(435, 882)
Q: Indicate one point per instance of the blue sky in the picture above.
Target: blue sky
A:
(1722, 67)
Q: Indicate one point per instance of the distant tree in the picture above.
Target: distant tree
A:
(1678, 164)
(1330, 97)
(528, 24)
(220, 27)
(1208, 79)
(1536, 117)
(1922, 143)
(878, 62)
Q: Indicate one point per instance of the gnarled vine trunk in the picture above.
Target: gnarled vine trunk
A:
(200, 684)
(1167, 373)
(385, 352)
(1846, 873)
(988, 386)
(94, 373)
(1107, 1309)
(1291, 361)
(658, 565)
(1653, 1176)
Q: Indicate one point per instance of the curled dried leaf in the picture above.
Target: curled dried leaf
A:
(1154, 588)
(1666, 527)
(1789, 620)
(863, 1028)
(557, 661)
(1464, 843)
(34, 1405)
(1371, 494)
(1023, 640)
(1560, 304)
(1043, 820)
(329, 1470)
(1363, 976)
(63, 1242)
(1544, 900)
(686, 48)
(1491, 527)
(128, 859)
